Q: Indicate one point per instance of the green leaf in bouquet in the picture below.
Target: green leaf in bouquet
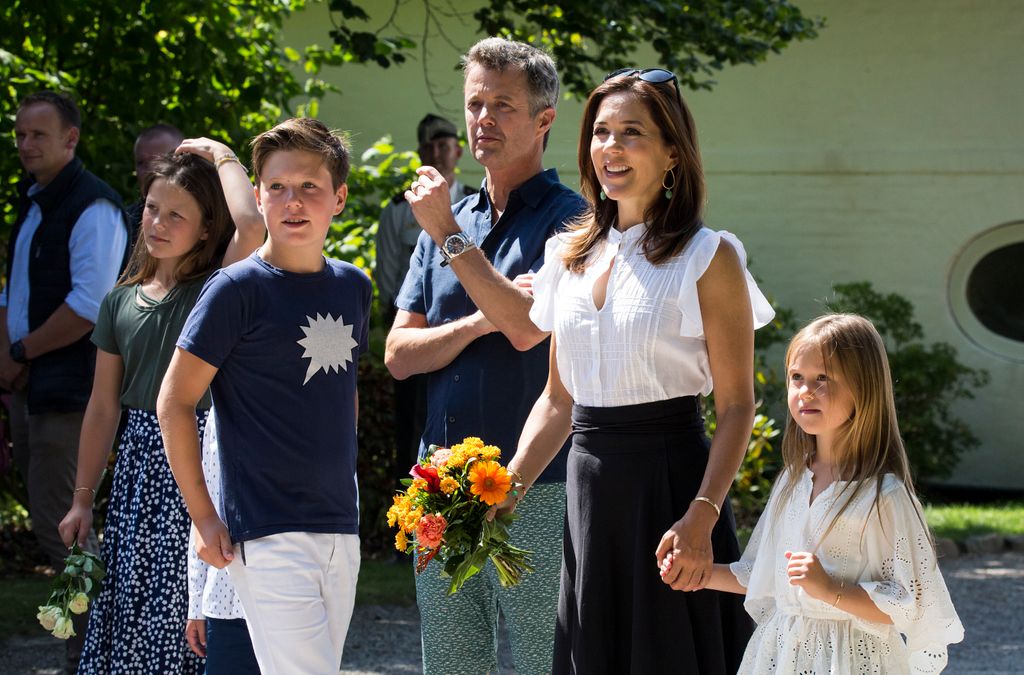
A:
(87, 566)
(406, 481)
(72, 570)
(87, 586)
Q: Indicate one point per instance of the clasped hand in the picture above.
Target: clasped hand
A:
(684, 556)
(805, 570)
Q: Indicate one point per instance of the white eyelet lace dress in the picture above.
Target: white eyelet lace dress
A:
(886, 551)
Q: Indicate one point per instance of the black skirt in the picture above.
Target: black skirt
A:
(632, 473)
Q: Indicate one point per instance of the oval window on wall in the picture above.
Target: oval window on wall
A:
(986, 290)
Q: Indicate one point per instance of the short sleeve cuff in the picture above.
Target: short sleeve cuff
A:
(83, 305)
(545, 283)
(692, 323)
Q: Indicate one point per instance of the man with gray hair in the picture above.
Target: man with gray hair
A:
(463, 318)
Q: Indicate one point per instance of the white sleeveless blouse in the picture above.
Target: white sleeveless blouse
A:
(647, 342)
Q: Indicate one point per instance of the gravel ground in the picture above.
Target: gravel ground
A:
(988, 592)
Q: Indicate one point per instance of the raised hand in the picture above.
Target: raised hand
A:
(431, 204)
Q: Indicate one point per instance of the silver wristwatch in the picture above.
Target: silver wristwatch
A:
(455, 245)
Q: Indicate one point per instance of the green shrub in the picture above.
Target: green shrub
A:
(927, 380)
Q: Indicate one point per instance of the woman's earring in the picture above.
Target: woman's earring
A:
(668, 188)
(603, 196)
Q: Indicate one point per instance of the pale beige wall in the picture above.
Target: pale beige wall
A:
(872, 153)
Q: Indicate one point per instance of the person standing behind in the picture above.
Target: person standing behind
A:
(216, 628)
(63, 255)
(463, 317)
(198, 216)
(277, 338)
(396, 239)
(152, 142)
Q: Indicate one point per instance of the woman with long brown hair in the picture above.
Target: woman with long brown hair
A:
(199, 213)
(648, 308)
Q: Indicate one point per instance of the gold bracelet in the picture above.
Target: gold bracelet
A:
(225, 159)
(706, 500)
(839, 595)
(79, 489)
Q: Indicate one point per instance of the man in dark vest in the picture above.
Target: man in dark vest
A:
(63, 255)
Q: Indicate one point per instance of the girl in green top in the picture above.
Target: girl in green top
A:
(200, 212)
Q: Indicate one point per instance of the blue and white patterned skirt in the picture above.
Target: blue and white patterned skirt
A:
(137, 625)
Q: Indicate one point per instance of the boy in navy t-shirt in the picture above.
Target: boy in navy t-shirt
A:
(277, 337)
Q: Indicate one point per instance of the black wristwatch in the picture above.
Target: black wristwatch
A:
(17, 352)
(455, 245)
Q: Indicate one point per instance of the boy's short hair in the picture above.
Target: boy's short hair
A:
(309, 135)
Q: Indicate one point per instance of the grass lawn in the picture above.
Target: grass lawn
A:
(958, 521)
(19, 602)
(380, 583)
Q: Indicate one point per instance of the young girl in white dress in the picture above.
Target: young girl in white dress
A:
(841, 562)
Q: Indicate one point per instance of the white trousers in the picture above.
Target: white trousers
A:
(298, 590)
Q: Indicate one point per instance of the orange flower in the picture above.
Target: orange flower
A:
(489, 481)
(449, 485)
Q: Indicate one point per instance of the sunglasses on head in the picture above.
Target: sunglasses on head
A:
(651, 75)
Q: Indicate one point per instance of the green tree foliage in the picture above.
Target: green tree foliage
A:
(927, 378)
(215, 69)
(695, 39)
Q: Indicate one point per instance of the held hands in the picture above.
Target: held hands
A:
(684, 556)
(431, 204)
(805, 570)
(195, 633)
(213, 543)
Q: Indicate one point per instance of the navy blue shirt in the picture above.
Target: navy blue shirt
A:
(286, 346)
(490, 388)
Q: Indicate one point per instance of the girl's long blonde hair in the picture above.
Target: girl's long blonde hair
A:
(199, 178)
(869, 445)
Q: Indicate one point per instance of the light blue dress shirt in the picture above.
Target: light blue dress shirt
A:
(96, 246)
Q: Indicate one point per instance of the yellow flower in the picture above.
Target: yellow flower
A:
(449, 485)
(490, 452)
(411, 520)
(399, 507)
(401, 541)
(473, 442)
(489, 481)
(458, 457)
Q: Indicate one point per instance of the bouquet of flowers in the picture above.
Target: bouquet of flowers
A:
(71, 591)
(441, 513)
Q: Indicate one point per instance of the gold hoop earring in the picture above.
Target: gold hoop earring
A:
(668, 188)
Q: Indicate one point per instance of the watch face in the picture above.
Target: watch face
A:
(455, 245)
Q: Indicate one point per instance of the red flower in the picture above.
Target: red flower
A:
(429, 474)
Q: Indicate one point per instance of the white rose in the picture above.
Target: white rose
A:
(79, 604)
(63, 629)
(48, 616)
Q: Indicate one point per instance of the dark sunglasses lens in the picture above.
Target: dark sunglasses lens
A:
(656, 76)
(620, 71)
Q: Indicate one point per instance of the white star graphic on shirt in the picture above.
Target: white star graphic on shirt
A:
(328, 344)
